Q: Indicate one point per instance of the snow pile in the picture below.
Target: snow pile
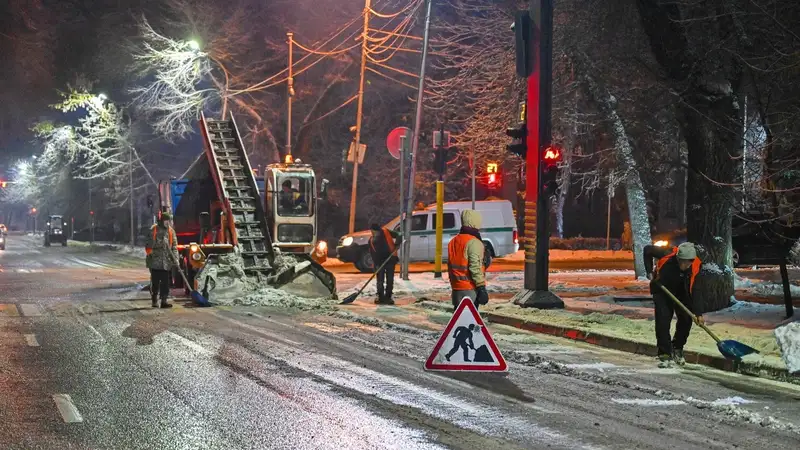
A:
(425, 283)
(731, 401)
(788, 337)
(764, 288)
(739, 306)
(228, 285)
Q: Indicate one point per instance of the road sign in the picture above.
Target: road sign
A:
(362, 149)
(441, 140)
(466, 345)
(393, 140)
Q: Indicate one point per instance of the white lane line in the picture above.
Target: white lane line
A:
(31, 340)
(30, 309)
(67, 409)
(647, 402)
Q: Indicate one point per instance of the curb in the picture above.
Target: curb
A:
(640, 348)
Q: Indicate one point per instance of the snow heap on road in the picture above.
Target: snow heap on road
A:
(788, 337)
(228, 285)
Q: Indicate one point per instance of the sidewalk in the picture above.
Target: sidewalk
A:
(612, 310)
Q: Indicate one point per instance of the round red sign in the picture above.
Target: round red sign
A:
(393, 140)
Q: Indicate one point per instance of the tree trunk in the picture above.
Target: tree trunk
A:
(634, 189)
(710, 195)
(564, 185)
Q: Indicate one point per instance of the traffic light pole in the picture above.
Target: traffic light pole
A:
(539, 134)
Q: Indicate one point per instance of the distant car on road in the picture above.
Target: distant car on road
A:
(55, 231)
(755, 240)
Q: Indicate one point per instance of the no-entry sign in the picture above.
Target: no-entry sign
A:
(393, 140)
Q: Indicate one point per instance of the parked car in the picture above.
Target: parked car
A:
(755, 240)
(499, 233)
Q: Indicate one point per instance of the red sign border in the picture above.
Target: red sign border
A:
(502, 366)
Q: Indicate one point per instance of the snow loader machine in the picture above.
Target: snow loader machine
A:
(226, 218)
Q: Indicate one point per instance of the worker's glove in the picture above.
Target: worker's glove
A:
(481, 295)
(699, 320)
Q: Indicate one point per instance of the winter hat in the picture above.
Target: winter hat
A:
(375, 227)
(471, 218)
(687, 251)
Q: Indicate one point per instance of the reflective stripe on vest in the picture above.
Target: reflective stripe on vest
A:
(149, 250)
(696, 263)
(458, 265)
(389, 241)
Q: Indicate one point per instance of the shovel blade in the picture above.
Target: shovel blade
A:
(735, 350)
(199, 299)
(349, 299)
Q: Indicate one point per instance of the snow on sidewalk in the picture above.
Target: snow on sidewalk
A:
(577, 255)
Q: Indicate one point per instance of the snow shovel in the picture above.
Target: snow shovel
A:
(352, 297)
(196, 296)
(729, 348)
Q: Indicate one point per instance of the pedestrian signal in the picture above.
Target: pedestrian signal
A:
(466, 345)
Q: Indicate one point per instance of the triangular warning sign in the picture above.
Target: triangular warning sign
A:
(466, 344)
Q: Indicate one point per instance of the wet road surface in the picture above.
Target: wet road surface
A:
(87, 364)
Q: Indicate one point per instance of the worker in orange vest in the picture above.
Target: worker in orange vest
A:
(465, 261)
(162, 254)
(382, 246)
(676, 270)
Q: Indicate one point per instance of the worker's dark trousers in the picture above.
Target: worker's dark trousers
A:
(159, 283)
(386, 279)
(665, 308)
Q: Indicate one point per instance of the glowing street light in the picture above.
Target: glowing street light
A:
(194, 45)
(102, 97)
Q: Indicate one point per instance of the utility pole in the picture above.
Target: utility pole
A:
(473, 177)
(289, 95)
(360, 109)
(130, 200)
(415, 140)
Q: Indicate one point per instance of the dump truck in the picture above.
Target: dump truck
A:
(235, 233)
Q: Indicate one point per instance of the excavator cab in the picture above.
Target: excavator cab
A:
(291, 206)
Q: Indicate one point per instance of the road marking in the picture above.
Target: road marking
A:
(30, 309)
(601, 366)
(647, 402)
(31, 340)
(67, 409)
(9, 310)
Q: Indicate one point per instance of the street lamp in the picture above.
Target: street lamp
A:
(102, 97)
(194, 45)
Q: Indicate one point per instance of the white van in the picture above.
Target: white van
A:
(498, 232)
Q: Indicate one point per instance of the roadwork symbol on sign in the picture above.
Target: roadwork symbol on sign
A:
(466, 345)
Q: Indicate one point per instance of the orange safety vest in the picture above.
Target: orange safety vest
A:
(695, 267)
(457, 265)
(149, 250)
(389, 241)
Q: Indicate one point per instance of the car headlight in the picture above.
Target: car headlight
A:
(661, 243)
(347, 241)
(197, 256)
(322, 246)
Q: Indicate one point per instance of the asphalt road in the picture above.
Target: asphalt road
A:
(87, 364)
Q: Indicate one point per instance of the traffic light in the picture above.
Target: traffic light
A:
(440, 160)
(519, 144)
(551, 156)
(523, 37)
(493, 179)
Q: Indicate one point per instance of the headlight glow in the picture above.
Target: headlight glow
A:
(347, 241)
(322, 246)
(661, 243)
(197, 256)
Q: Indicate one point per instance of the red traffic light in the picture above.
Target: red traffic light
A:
(91, 213)
(492, 178)
(552, 155)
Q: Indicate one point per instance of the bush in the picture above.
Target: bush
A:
(582, 243)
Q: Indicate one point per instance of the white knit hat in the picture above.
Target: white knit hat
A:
(687, 250)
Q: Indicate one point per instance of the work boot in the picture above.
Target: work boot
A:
(386, 300)
(677, 356)
(155, 302)
(164, 303)
(665, 361)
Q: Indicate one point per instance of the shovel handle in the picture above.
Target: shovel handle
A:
(687, 311)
